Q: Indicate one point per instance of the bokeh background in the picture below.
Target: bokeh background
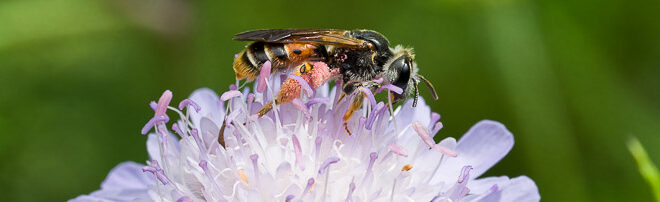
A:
(573, 80)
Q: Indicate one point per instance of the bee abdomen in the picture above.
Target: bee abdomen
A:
(249, 61)
(283, 57)
(244, 67)
(276, 51)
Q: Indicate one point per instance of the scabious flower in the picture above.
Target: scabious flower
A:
(301, 151)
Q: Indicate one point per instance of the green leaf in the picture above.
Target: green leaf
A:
(646, 167)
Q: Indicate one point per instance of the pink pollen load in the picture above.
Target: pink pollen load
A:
(319, 75)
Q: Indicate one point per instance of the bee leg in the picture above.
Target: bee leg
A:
(266, 108)
(287, 90)
(305, 68)
(341, 97)
(356, 103)
(353, 85)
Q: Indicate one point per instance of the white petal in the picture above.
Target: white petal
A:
(132, 195)
(209, 131)
(125, 182)
(519, 189)
(211, 107)
(408, 114)
(483, 145)
(483, 185)
(127, 175)
(153, 146)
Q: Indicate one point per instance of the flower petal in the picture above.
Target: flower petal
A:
(210, 106)
(407, 114)
(113, 195)
(482, 185)
(209, 131)
(486, 143)
(127, 175)
(517, 189)
(153, 146)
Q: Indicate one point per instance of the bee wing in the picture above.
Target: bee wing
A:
(316, 36)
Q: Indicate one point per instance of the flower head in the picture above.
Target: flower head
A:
(301, 151)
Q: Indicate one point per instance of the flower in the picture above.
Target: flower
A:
(302, 151)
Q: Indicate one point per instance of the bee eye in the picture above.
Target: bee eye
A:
(402, 67)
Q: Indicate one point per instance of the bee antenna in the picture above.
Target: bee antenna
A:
(416, 94)
(430, 85)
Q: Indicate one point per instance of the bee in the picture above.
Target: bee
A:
(362, 58)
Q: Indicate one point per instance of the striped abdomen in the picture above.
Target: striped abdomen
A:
(283, 57)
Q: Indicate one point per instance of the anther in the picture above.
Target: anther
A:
(153, 105)
(407, 167)
(230, 94)
(398, 150)
(289, 198)
(188, 102)
(185, 199)
(390, 87)
(241, 174)
(310, 182)
(327, 163)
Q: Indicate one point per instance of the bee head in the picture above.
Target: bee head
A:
(401, 71)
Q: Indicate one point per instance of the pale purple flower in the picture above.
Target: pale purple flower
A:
(302, 152)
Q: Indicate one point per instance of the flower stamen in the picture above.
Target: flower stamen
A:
(241, 174)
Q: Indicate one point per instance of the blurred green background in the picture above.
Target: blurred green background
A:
(571, 79)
